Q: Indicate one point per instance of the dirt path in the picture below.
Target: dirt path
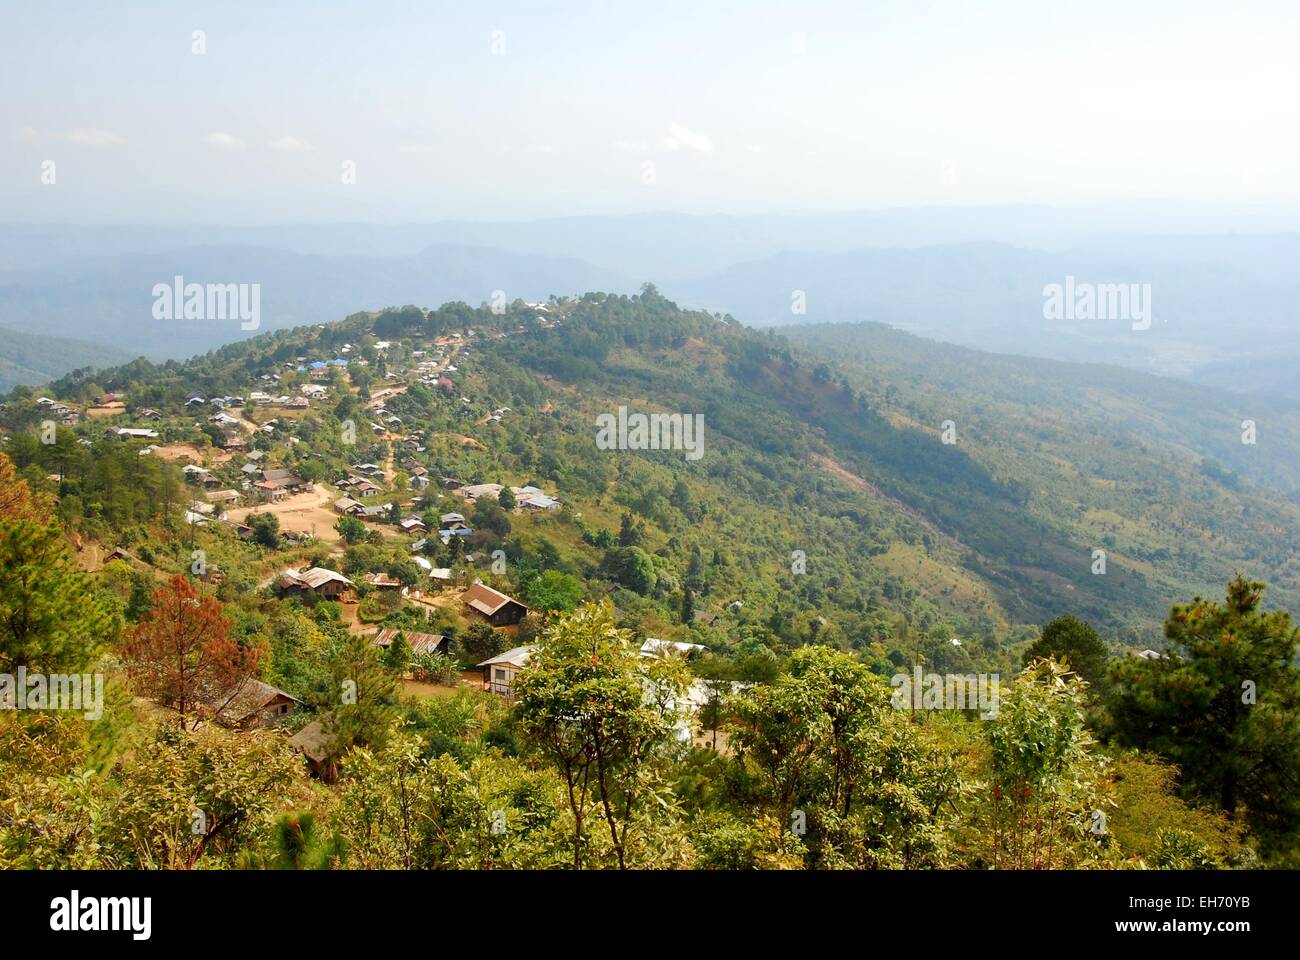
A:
(838, 470)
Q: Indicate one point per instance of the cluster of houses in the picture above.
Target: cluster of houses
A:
(271, 485)
(264, 484)
(256, 703)
(480, 601)
(193, 473)
(361, 484)
(360, 487)
(501, 671)
(107, 405)
(216, 403)
(431, 366)
(387, 423)
(320, 369)
(232, 435)
(417, 474)
(231, 426)
(526, 498)
(300, 400)
(253, 703)
(452, 525)
(62, 412)
(348, 507)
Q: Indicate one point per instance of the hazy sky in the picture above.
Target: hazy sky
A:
(505, 110)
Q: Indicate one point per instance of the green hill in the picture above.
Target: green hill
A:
(27, 358)
(830, 446)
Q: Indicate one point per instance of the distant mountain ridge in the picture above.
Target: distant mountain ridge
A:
(28, 358)
(1223, 304)
(109, 298)
(1215, 319)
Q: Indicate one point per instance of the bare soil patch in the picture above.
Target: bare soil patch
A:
(302, 513)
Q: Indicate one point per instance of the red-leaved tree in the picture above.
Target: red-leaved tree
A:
(181, 653)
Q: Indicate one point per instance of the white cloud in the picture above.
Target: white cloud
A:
(631, 146)
(94, 137)
(224, 141)
(291, 144)
(680, 136)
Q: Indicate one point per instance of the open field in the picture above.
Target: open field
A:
(467, 680)
(301, 513)
(189, 453)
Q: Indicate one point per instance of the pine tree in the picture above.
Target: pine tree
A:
(52, 617)
(1224, 705)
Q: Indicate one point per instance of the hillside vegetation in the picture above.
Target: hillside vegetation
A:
(27, 358)
(825, 540)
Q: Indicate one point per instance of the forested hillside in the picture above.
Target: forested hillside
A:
(356, 520)
(1154, 471)
(27, 358)
(843, 459)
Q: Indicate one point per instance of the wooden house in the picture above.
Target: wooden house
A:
(420, 643)
(318, 581)
(252, 703)
(494, 606)
(499, 672)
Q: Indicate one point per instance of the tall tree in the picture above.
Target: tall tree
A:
(17, 502)
(1043, 775)
(718, 675)
(266, 529)
(1224, 705)
(553, 590)
(1071, 641)
(52, 617)
(600, 713)
(181, 653)
(351, 529)
(364, 695)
